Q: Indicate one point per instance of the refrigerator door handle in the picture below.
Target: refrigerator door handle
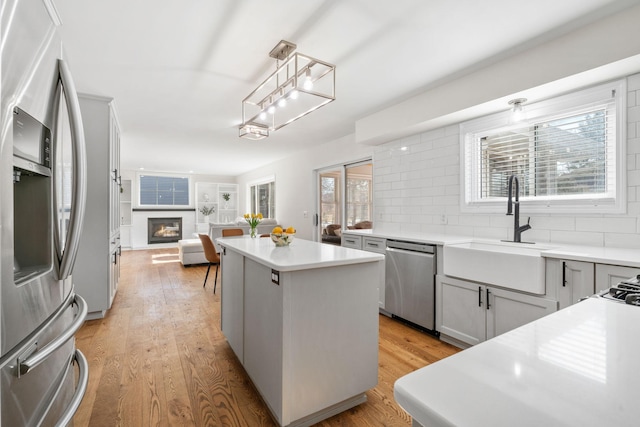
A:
(79, 172)
(38, 357)
(83, 380)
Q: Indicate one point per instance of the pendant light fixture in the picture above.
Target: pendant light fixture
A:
(300, 85)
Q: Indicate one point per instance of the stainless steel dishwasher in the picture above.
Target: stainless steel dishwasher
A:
(410, 270)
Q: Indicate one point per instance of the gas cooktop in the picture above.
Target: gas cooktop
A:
(627, 291)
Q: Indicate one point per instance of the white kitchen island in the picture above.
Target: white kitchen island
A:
(576, 367)
(303, 321)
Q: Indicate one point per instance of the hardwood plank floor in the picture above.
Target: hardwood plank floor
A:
(159, 358)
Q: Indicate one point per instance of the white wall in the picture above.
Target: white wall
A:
(295, 185)
(413, 189)
(138, 228)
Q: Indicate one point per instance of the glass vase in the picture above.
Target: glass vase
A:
(253, 232)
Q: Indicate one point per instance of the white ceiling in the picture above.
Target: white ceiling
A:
(179, 70)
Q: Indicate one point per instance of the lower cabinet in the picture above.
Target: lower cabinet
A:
(377, 245)
(369, 244)
(472, 312)
(610, 275)
(569, 280)
(350, 241)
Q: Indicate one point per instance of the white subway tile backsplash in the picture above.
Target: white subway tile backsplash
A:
(633, 178)
(415, 187)
(490, 233)
(622, 240)
(606, 224)
(577, 238)
(633, 83)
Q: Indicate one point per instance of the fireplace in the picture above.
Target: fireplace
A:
(164, 230)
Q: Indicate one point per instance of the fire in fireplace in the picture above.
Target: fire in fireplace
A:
(164, 230)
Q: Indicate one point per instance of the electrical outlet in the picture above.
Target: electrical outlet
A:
(305, 214)
(443, 219)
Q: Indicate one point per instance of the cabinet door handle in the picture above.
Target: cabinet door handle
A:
(564, 274)
(488, 303)
(479, 296)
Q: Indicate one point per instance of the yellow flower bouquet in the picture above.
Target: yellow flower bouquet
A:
(253, 220)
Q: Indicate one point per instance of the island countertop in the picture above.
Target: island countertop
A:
(299, 255)
(575, 367)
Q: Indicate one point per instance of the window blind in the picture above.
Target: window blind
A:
(164, 191)
(559, 157)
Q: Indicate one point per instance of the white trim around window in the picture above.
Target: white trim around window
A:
(609, 100)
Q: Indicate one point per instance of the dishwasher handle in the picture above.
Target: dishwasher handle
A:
(411, 246)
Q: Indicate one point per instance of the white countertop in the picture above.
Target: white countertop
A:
(299, 255)
(576, 367)
(603, 255)
(420, 237)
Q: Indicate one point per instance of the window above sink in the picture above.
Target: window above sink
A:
(569, 152)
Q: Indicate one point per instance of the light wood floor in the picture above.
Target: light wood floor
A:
(159, 357)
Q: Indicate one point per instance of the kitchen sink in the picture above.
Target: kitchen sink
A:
(510, 265)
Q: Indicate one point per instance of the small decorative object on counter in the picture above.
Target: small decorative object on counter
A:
(253, 220)
(282, 237)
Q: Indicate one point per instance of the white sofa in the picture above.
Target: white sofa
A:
(265, 226)
(190, 251)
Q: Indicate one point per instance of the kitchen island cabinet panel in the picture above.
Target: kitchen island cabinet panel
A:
(263, 326)
(232, 303)
(309, 326)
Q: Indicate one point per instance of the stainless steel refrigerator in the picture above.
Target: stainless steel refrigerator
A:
(43, 376)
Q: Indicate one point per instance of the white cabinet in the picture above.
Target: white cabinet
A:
(609, 275)
(221, 199)
(374, 244)
(351, 241)
(472, 312)
(232, 300)
(125, 212)
(377, 245)
(97, 267)
(311, 327)
(569, 280)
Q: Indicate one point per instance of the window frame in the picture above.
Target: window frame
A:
(272, 198)
(139, 175)
(572, 103)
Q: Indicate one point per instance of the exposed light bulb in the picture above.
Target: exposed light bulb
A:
(308, 82)
(271, 109)
(282, 102)
(294, 94)
(263, 115)
(517, 113)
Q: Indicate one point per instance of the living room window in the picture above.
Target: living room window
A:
(568, 154)
(263, 197)
(163, 190)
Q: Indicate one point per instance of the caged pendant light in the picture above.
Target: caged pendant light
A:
(301, 84)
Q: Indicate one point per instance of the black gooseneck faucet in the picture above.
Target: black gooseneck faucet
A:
(517, 228)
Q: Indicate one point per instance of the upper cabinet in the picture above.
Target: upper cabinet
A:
(215, 202)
